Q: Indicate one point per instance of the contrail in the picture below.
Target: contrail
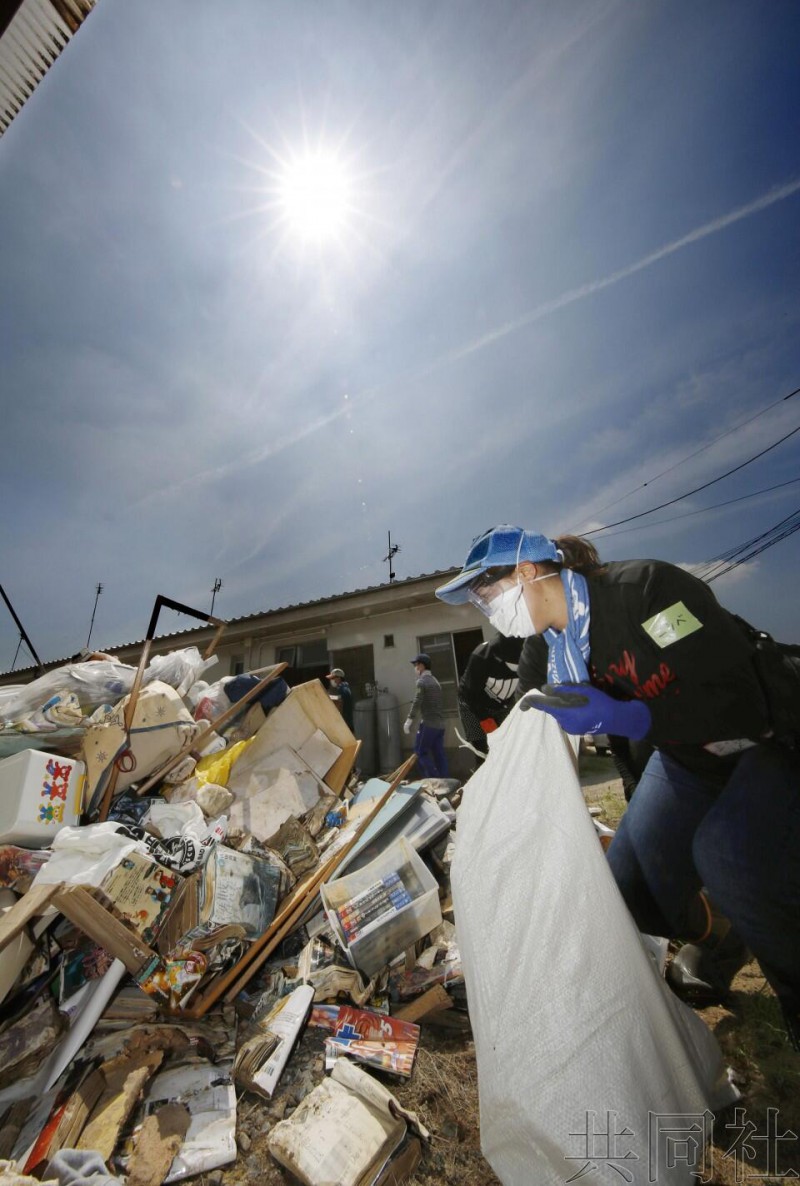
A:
(577, 294)
(243, 462)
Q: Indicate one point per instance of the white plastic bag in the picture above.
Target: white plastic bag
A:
(180, 669)
(575, 1032)
(101, 681)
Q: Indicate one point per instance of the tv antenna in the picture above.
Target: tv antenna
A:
(97, 592)
(393, 550)
(215, 591)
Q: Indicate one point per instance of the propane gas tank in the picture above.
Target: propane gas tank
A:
(390, 736)
(364, 729)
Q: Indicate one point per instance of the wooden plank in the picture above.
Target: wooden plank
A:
(36, 901)
(433, 1001)
(78, 905)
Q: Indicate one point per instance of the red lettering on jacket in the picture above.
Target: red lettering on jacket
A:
(625, 670)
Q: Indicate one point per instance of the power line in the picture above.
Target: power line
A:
(702, 449)
(671, 501)
(702, 510)
(756, 552)
(731, 552)
(733, 557)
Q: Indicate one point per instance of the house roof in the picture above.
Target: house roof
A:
(336, 599)
(32, 35)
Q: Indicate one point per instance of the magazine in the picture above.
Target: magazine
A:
(373, 1039)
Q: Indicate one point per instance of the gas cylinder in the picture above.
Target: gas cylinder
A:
(390, 737)
(364, 721)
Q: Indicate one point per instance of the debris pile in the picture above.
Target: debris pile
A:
(193, 879)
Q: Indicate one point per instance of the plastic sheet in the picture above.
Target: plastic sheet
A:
(574, 1028)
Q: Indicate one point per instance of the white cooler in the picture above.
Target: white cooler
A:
(39, 795)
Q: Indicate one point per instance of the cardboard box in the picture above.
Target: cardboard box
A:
(293, 724)
(39, 795)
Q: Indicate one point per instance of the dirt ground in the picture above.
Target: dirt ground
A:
(444, 1089)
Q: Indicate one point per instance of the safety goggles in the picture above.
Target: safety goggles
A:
(484, 591)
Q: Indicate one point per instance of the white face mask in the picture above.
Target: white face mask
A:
(510, 614)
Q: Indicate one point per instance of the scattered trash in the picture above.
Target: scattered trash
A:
(199, 898)
(172, 918)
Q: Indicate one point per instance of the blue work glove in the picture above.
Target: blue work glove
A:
(582, 708)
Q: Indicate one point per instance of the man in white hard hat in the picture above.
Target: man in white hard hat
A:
(340, 694)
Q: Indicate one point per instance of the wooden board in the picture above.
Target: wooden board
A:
(78, 905)
(36, 901)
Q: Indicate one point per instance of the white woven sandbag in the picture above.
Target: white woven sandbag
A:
(575, 1032)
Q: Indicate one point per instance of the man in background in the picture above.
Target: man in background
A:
(340, 694)
(427, 705)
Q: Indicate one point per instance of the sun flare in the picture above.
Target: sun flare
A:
(315, 193)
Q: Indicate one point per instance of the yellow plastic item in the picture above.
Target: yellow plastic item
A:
(217, 767)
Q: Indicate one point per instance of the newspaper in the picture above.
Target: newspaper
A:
(261, 1059)
(208, 1093)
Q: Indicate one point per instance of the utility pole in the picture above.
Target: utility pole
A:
(215, 591)
(393, 550)
(97, 593)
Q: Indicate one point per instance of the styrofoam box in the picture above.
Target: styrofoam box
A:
(39, 795)
(387, 938)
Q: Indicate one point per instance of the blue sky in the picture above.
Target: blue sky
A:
(569, 260)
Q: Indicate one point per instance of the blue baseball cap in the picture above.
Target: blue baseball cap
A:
(500, 547)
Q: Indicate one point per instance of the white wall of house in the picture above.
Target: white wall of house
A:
(393, 669)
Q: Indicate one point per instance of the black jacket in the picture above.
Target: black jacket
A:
(659, 634)
(488, 684)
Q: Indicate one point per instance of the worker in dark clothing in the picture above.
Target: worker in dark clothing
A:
(340, 693)
(487, 689)
(428, 706)
(642, 649)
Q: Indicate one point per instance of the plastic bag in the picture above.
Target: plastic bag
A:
(179, 669)
(573, 1026)
(213, 703)
(99, 682)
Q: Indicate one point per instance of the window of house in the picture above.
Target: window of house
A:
(237, 664)
(449, 654)
(388, 640)
(306, 661)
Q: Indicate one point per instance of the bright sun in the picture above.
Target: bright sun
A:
(315, 194)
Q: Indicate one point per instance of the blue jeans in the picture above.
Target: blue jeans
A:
(742, 843)
(429, 748)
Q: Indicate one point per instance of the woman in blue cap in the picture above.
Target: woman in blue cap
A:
(642, 649)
